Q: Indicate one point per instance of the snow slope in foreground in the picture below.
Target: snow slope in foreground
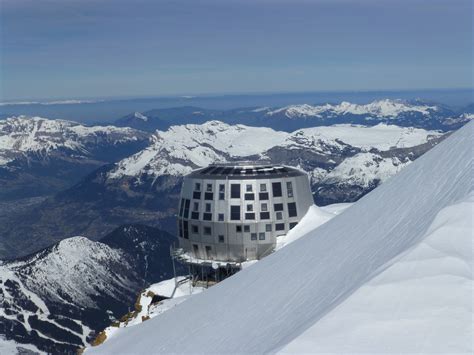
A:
(266, 307)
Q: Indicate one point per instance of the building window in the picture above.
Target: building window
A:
(263, 196)
(221, 239)
(209, 187)
(293, 225)
(250, 197)
(263, 187)
(221, 192)
(208, 196)
(186, 208)
(196, 206)
(280, 226)
(197, 186)
(207, 216)
(181, 208)
(220, 217)
(194, 215)
(238, 229)
(235, 213)
(261, 236)
(264, 207)
(180, 227)
(250, 216)
(279, 215)
(264, 215)
(292, 209)
(248, 188)
(208, 207)
(194, 229)
(185, 229)
(249, 208)
(197, 195)
(278, 206)
(289, 188)
(253, 236)
(247, 228)
(209, 252)
(276, 189)
(196, 250)
(207, 231)
(268, 227)
(235, 191)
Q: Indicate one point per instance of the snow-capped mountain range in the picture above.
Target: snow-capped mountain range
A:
(377, 109)
(40, 156)
(58, 298)
(293, 117)
(390, 274)
(343, 154)
(21, 136)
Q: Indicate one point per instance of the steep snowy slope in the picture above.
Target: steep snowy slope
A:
(265, 307)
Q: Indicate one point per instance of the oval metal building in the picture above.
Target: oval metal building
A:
(235, 212)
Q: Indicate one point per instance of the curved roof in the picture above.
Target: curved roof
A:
(245, 170)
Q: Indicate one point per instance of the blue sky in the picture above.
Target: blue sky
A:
(103, 48)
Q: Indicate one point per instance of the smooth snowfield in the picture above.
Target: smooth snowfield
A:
(267, 306)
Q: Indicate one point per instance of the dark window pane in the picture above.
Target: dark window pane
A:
(263, 187)
(263, 196)
(279, 215)
(207, 230)
(207, 216)
(264, 215)
(181, 208)
(235, 190)
(253, 236)
(208, 207)
(293, 224)
(220, 217)
(248, 188)
(197, 195)
(276, 188)
(238, 229)
(280, 226)
(186, 208)
(261, 236)
(208, 196)
(247, 228)
(292, 209)
(221, 188)
(197, 186)
(268, 227)
(195, 229)
(235, 213)
(194, 215)
(180, 228)
(221, 196)
(278, 206)
(209, 187)
(250, 197)
(185, 229)
(221, 239)
(250, 216)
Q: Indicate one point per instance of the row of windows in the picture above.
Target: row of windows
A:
(235, 211)
(235, 191)
(207, 230)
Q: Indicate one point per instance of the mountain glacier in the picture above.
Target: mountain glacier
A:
(350, 285)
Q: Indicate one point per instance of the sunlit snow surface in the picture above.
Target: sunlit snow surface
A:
(329, 276)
